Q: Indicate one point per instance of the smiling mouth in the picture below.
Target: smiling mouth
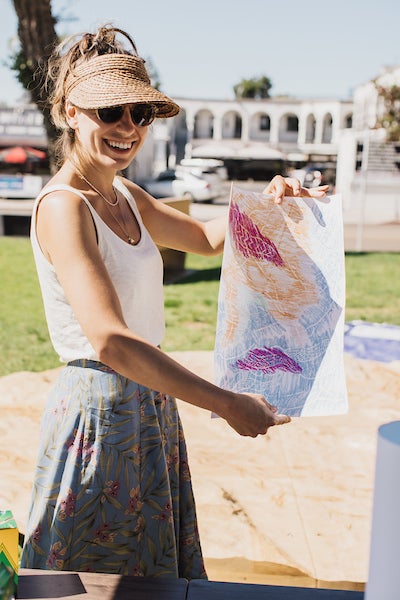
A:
(119, 145)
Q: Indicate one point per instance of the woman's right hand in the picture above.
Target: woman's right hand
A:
(252, 415)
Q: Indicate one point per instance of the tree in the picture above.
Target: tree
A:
(390, 118)
(37, 36)
(257, 88)
(153, 73)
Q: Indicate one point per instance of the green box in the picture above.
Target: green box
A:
(8, 555)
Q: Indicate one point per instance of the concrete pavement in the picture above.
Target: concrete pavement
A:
(383, 237)
(380, 237)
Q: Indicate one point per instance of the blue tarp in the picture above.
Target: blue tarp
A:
(373, 341)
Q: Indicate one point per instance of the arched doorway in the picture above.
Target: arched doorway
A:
(203, 125)
(260, 127)
(327, 129)
(348, 121)
(232, 125)
(288, 128)
(310, 129)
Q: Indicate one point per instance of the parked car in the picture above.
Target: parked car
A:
(320, 174)
(205, 166)
(181, 183)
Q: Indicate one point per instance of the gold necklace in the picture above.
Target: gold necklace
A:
(130, 239)
(81, 175)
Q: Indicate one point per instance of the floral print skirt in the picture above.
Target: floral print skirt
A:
(112, 490)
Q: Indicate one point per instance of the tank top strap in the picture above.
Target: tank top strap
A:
(121, 187)
(99, 224)
(63, 187)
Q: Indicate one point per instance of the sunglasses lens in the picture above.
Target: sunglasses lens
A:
(111, 114)
(143, 114)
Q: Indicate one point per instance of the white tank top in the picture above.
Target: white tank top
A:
(136, 272)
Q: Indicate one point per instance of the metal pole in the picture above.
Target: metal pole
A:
(363, 192)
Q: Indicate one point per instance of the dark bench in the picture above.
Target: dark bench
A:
(98, 586)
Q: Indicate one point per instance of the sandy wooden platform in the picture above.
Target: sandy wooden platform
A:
(292, 507)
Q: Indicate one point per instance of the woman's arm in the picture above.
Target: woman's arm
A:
(67, 236)
(174, 229)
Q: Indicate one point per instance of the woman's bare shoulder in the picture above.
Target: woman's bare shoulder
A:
(61, 194)
(144, 201)
(137, 192)
(63, 205)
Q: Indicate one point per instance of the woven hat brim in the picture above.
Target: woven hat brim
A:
(114, 89)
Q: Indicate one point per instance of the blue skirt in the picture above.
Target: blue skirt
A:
(112, 490)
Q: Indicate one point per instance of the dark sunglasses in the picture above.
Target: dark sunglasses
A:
(142, 115)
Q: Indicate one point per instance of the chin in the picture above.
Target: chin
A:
(122, 160)
(118, 163)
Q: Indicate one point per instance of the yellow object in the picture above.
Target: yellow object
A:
(8, 555)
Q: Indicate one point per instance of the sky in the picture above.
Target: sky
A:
(308, 48)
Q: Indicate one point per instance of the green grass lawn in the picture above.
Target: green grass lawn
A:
(191, 306)
(373, 287)
(373, 294)
(24, 339)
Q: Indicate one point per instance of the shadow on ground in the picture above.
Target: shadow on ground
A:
(192, 276)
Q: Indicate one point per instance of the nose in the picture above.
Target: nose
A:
(126, 119)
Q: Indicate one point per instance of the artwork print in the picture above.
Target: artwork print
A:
(281, 303)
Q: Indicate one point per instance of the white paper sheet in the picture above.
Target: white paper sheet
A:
(281, 303)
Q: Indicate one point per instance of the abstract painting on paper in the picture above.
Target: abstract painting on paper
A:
(281, 303)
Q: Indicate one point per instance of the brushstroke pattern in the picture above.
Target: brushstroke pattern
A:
(281, 304)
(249, 240)
(268, 360)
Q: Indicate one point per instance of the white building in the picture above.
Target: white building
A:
(251, 135)
(368, 167)
(256, 138)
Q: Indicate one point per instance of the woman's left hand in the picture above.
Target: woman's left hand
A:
(279, 187)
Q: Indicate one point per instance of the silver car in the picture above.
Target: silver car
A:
(180, 183)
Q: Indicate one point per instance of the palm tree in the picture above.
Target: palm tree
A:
(257, 88)
(37, 36)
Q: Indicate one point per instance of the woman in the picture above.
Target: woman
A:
(112, 490)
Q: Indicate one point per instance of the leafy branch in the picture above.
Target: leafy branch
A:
(390, 118)
(257, 88)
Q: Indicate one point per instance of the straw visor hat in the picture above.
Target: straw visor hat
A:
(113, 80)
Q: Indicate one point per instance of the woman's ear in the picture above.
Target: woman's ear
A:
(71, 114)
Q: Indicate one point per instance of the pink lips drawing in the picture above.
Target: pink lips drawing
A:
(249, 240)
(268, 360)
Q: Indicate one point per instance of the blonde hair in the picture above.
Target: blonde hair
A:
(70, 53)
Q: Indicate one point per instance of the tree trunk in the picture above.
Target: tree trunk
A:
(37, 36)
